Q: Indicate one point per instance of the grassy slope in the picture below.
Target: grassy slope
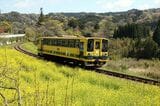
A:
(118, 48)
(44, 83)
(143, 68)
(30, 47)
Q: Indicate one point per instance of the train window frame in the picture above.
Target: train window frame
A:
(55, 42)
(47, 42)
(63, 42)
(59, 42)
(90, 45)
(81, 46)
(76, 43)
(97, 45)
(104, 47)
(71, 43)
(50, 42)
(66, 43)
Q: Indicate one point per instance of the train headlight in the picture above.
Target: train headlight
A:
(105, 54)
(89, 54)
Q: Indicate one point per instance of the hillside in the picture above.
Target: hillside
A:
(62, 85)
(148, 17)
(19, 21)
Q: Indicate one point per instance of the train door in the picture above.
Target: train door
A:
(97, 47)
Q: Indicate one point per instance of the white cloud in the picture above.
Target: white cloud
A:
(144, 6)
(115, 5)
(32, 3)
(23, 4)
(157, 2)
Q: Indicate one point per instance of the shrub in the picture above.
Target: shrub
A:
(156, 34)
(144, 48)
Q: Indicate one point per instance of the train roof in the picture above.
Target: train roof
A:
(11, 35)
(73, 37)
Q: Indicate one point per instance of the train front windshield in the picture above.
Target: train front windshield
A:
(90, 45)
(104, 45)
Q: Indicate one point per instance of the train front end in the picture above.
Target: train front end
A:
(96, 52)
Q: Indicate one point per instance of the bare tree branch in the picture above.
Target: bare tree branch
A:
(4, 99)
(11, 88)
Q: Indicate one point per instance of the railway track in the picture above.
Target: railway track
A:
(106, 72)
(18, 48)
(129, 77)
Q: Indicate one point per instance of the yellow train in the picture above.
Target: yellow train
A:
(92, 51)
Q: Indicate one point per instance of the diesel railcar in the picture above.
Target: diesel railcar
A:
(92, 51)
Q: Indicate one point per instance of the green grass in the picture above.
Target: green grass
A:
(30, 47)
(142, 68)
(45, 83)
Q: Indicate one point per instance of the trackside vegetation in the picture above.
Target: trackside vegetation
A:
(133, 66)
(29, 46)
(29, 81)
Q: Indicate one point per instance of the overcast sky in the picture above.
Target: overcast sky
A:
(33, 6)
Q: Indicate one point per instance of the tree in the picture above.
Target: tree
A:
(30, 33)
(51, 27)
(41, 17)
(73, 23)
(150, 49)
(6, 26)
(156, 34)
(106, 27)
(132, 31)
(146, 49)
(54, 27)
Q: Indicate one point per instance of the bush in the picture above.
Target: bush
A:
(156, 34)
(144, 48)
(138, 48)
(120, 47)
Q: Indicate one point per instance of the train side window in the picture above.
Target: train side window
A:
(58, 42)
(74, 41)
(49, 42)
(81, 46)
(71, 43)
(66, 43)
(63, 42)
(55, 42)
(52, 42)
(104, 45)
(77, 43)
(43, 41)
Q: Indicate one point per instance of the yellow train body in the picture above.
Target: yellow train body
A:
(86, 51)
